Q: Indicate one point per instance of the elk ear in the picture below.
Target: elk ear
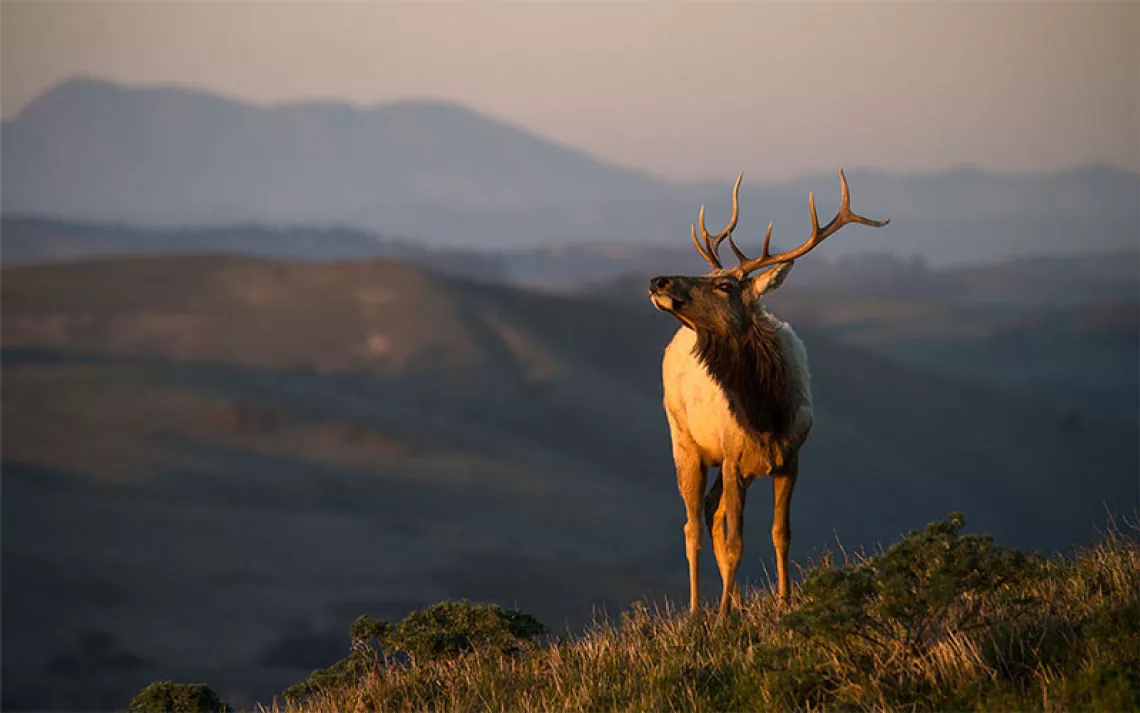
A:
(768, 281)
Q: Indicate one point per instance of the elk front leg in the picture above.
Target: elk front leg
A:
(782, 485)
(691, 474)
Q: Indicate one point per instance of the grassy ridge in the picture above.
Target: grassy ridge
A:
(940, 621)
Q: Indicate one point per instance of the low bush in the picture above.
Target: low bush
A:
(446, 630)
(168, 697)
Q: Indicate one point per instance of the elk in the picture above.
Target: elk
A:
(737, 391)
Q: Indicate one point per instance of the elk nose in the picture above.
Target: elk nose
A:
(659, 283)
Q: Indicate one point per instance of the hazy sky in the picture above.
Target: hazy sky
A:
(686, 90)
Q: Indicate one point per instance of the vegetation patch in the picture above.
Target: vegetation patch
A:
(939, 621)
(169, 697)
(442, 632)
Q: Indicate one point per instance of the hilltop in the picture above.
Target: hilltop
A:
(942, 620)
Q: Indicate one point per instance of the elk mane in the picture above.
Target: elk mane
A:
(749, 367)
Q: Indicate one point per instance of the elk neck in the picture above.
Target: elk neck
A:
(750, 367)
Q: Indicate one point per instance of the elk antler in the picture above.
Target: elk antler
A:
(842, 218)
(712, 242)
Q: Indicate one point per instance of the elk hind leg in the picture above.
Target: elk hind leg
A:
(714, 521)
(731, 512)
(782, 486)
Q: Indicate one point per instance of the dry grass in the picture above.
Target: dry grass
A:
(1066, 638)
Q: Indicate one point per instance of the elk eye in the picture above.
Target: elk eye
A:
(724, 287)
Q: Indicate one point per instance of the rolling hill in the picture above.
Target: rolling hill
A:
(213, 463)
(31, 240)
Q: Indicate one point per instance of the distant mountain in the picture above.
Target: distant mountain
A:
(91, 150)
(213, 464)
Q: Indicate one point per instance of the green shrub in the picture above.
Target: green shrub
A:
(927, 586)
(441, 631)
(168, 697)
(906, 625)
(448, 629)
(1103, 673)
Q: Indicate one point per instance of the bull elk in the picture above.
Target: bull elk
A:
(737, 391)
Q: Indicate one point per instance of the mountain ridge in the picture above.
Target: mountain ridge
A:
(83, 82)
(96, 151)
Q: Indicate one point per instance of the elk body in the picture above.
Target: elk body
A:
(737, 392)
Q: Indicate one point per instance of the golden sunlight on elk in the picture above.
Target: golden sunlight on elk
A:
(737, 391)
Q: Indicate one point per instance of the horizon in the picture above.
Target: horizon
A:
(1005, 89)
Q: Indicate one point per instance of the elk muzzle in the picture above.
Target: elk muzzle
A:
(672, 294)
(663, 294)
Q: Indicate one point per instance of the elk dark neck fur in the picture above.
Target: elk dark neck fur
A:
(749, 366)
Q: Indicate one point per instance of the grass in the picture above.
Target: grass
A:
(940, 621)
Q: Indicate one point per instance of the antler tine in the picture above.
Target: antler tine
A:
(710, 247)
(719, 237)
(845, 207)
(818, 235)
(712, 242)
(710, 258)
(815, 216)
(744, 258)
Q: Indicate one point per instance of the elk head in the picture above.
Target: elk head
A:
(721, 302)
